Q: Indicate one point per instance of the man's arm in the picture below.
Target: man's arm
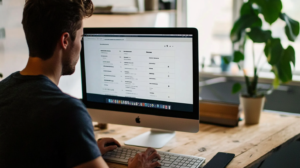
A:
(99, 162)
(96, 163)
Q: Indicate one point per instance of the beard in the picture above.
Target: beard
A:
(68, 68)
(68, 65)
(69, 62)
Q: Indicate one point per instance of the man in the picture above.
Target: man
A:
(40, 126)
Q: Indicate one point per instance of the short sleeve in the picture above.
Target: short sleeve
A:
(78, 141)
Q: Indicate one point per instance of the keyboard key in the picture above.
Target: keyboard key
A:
(167, 165)
(166, 162)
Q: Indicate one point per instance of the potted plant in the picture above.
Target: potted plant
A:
(249, 27)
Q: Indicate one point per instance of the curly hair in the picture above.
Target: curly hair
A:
(44, 21)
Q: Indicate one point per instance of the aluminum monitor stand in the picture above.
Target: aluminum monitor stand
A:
(154, 138)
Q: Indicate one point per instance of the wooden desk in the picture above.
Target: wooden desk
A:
(248, 143)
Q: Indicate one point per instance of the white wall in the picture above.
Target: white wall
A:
(14, 51)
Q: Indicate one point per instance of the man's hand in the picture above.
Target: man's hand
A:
(145, 159)
(107, 144)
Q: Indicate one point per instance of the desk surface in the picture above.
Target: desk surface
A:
(248, 143)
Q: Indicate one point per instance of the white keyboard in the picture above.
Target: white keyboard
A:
(168, 160)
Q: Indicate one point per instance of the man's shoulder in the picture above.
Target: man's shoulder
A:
(31, 84)
(71, 102)
(38, 93)
(72, 106)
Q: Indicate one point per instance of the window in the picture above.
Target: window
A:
(214, 20)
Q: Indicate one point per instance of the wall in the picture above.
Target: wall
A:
(14, 50)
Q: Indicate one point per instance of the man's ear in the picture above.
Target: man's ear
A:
(65, 40)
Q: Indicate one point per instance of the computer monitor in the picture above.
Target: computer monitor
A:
(146, 77)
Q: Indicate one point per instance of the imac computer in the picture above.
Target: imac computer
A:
(146, 77)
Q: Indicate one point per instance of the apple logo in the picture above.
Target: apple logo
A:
(137, 120)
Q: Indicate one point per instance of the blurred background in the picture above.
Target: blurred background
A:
(213, 19)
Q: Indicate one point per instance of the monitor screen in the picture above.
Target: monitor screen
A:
(141, 70)
(146, 70)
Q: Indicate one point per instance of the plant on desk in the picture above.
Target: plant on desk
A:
(249, 26)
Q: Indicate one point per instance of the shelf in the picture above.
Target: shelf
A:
(172, 11)
(145, 19)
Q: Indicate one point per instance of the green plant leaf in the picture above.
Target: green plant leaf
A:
(248, 85)
(276, 81)
(273, 51)
(246, 9)
(236, 88)
(290, 53)
(226, 60)
(254, 81)
(245, 21)
(284, 66)
(292, 27)
(257, 35)
(271, 9)
(238, 56)
(1, 75)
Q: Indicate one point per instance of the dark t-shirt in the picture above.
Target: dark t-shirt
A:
(40, 126)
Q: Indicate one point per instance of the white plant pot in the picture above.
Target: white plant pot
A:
(252, 108)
